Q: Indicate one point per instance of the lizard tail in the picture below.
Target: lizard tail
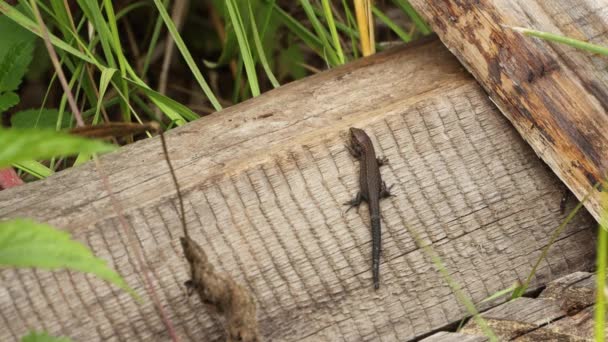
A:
(376, 243)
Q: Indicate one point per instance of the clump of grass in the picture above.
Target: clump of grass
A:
(111, 69)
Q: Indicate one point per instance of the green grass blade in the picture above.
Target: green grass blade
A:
(416, 18)
(241, 36)
(25, 243)
(106, 77)
(344, 28)
(34, 168)
(260, 49)
(500, 293)
(19, 145)
(519, 291)
(132, 7)
(394, 27)
(122, 61)
(153, 41)
(176, 111)
(456, 289)
(600, 286)
(327, 50)
(187, 56)
(353, 33)
(329, 18)
(602, 50)
(35, 336)
(93, 13)
(299, 30)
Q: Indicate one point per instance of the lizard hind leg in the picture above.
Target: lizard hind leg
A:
(386, 191)
(355, 202)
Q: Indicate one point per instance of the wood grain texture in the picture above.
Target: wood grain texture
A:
(264, 182)
(556, 96)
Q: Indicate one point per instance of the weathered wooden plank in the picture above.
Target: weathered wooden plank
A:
(517, 317)
(562, 312)
(264, 184)
(574, 294)
(554, 95)
(577, 327)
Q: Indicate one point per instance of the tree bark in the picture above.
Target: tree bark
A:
(556, 96)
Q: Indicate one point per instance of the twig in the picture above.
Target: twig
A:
(55, 61)
(116, 205)
(179, 195)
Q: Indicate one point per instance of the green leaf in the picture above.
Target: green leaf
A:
(25, 243)
(34, 336)
(13, 65)
(39, 118)
(20, 145)
(392, 25)
(16, 51)
(32, 26)
(12, 33)
(8, 100)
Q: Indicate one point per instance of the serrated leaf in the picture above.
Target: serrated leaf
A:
(12, 33)
(13, 65)
(39, 118)
(35, 336)
(8, 100)
(20, 145)
(26, 243)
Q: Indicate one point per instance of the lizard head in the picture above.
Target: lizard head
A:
(357, 136)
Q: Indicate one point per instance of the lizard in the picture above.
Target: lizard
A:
(371, 190)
